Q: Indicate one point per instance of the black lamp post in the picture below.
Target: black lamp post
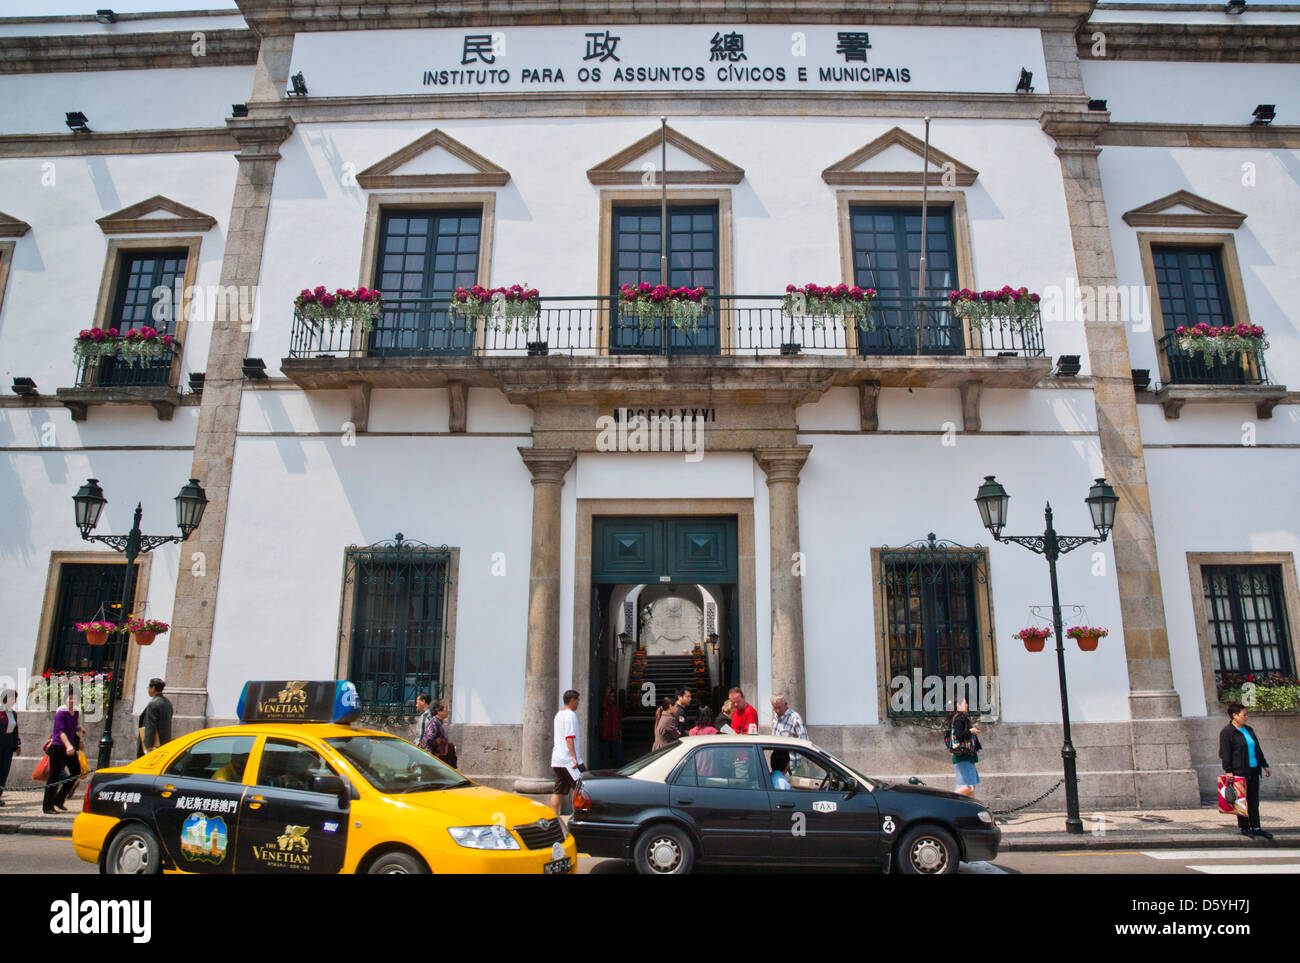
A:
(89, 503)
(993, 502)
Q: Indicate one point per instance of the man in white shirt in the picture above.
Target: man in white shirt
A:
(566, 757)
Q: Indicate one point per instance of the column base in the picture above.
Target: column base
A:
(533, 786)
(1163, 777)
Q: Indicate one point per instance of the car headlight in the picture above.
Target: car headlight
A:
(986, 817)
(483, 837)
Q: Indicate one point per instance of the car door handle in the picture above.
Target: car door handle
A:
(167, 791)
(785, 805)
(685, 802)
(255, 802)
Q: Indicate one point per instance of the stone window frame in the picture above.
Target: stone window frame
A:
(984, 624)
(1236, 291)
(650, 196)
(347, 616)
(378, 203)
(1204, 634)
(114, 262)
(6, 262)
(956, 200)
(50, 602)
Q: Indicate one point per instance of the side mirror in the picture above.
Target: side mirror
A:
(333, 786)
(915, 782)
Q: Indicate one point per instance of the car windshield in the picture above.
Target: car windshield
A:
(867, 784)
(637, 765)
(395, 766)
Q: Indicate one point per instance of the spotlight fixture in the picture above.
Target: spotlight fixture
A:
(1264, 115)
(239, 110)
(255, 368)
(196, 382)
(299, 85)
(1141, 379)
(1096, 105)
(77, 122)
(106, 16)
(26, 387)
(1067, 366)
(1026, 84)
(1235, 8)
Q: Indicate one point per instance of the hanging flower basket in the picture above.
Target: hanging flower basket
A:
(1034, 639)
(319, 307)
(97, 632)
(1018, 307)
(842, 302)
(137, 346)
(650, 304)
(500, 307)
(145, 630)
(1087, 636)
(1222, 344)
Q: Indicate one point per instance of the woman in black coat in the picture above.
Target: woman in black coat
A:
(1242, 755)
(10, 744)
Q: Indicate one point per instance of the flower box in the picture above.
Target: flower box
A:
(318, 307)
(1259, 691)
(650, 304)
(1018, 307)
(1034, 639)
(842, 302)
(501, 307)
(1222, 344)
(1086, 636)
(138, 345)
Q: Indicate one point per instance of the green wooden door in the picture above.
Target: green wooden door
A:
(669, 550)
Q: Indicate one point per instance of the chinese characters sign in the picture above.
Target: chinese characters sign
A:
(743, 58)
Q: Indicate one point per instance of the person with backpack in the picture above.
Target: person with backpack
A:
(962, 739)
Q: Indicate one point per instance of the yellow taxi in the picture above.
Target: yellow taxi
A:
(297, 789)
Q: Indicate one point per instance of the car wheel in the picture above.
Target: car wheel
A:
(133, 851)
(927, 851)
(664, 851)
(397, 864)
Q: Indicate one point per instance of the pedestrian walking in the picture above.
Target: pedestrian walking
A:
(611, 731)
(64, 745)
(422, 702)
(964, 744)
(704, 723)
(566, 754)
(680, 706)
(433, 739)
(10, 744)
(1242, 755)
(785, 721)
(743, 715)
(666, 731)
(156, 720)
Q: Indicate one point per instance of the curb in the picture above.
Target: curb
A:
(1060, 842)
(35, 827)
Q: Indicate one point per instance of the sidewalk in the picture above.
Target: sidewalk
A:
(1204, 828)
(21, 812)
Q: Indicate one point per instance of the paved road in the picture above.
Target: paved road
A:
(53, 854)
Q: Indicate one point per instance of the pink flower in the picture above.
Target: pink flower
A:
(320, 291)
(327, 300)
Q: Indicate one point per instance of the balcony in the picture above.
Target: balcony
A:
(115, 381)
(579, 350)
(1241, 377)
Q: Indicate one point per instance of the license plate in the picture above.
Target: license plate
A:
(557, 866)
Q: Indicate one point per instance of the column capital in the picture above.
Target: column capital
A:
(259, 138)
(782, 464)
(1075, 132)
(548, 465)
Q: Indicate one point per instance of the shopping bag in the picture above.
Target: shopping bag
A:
(85, 766)
(1232, 795)
(42, 773)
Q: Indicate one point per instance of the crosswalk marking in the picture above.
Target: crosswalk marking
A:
(1189, 854)
(1237, 869)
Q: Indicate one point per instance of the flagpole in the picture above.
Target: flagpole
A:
(663, 224)
(925, 218)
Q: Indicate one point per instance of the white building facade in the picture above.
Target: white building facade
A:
(477, 509)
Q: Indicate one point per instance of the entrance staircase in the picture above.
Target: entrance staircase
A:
(667, 673)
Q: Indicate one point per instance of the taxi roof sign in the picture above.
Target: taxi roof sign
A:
(334, 701)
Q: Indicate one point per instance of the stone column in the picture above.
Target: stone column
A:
(782, 467)
(542, 665)
(1161, 754)
(190, 642)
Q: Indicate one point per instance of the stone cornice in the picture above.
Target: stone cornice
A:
(12, 226)
(259, 139)
(782, 464)
(185, 140)
(548, 465)
(293, 16)
(126, 51)
(1200, 135)
(1075, 132)
(1241, 42)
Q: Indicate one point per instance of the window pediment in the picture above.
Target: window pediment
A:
(848, 170)
(472, 168)
(714, 169)
(157, 215)
(1184, 209)
(12, 227)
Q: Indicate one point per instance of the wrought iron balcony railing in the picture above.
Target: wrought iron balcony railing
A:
(113, 372)
(734, 325)
(1187, 368)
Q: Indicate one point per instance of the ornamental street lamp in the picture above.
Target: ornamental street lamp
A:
(89, 503)
(993, 502)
